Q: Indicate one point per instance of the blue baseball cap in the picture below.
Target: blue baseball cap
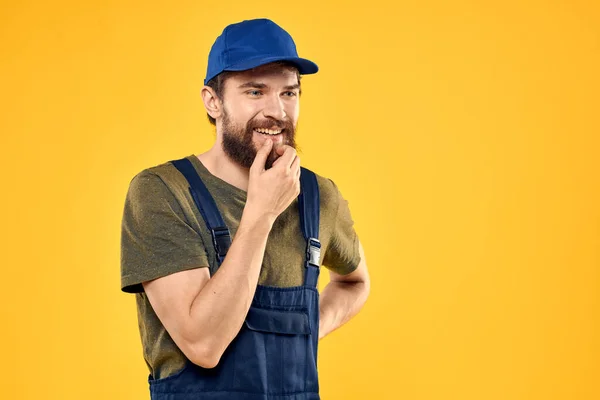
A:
(251, 43)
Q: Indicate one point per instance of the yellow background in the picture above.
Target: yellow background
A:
(464, 135)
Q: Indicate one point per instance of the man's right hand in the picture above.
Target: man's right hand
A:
(271, 191)
(203, 314)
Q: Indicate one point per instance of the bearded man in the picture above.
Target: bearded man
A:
(223, 249)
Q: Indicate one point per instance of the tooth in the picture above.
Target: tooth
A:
(268, 131)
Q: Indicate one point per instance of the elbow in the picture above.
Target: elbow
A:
(204, 357)
(363, 282)
(365, 286)
(206, 362)
(366, 289)
(202, 354)
(203, 348)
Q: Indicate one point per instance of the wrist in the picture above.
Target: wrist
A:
(254, 221)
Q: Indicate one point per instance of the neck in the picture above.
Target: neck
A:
(218, 164)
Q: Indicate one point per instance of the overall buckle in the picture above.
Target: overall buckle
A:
(313, 253)
(221, 240)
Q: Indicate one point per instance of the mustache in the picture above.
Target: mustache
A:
(271, 124)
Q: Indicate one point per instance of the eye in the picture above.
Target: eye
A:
(290, 93)
(254, 93)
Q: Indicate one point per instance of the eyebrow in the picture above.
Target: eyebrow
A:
(259, 85)
(292, 87)
(252, 85)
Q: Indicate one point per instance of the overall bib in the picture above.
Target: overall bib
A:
(274, 355)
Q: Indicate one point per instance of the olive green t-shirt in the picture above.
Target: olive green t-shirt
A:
(163, 232)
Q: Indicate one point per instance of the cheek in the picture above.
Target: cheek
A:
(292, 110)
(241, 109)
(249, 111)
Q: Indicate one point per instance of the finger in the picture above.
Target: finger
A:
(288, 157)
(278, 159)
(281, 148)
(261, 156)
(296, 167)
(297, 172)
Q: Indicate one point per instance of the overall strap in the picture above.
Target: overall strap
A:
(207, 206)
(309, 207)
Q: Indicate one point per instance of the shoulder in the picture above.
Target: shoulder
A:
(328, 192)
(159, 179)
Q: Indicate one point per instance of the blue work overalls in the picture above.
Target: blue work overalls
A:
(274, 355)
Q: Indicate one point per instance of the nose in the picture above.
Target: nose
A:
(274, 107)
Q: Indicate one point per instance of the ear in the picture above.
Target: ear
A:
(211, 102)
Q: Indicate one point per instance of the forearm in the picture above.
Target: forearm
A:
(219, 309)
(339, 302)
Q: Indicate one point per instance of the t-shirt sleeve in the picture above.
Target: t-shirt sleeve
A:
(156, 239)
(342, 254)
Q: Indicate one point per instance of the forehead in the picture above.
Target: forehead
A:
(270, 74)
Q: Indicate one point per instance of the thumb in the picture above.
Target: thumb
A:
(261, 156)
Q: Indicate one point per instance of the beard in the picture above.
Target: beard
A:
(238, 141)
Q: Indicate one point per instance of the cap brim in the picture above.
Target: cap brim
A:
(305, 67)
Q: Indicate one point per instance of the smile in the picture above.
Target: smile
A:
(268, 131)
